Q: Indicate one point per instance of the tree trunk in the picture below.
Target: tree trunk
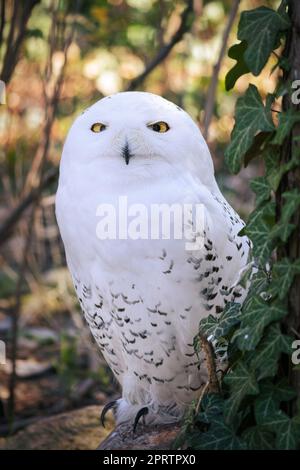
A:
(292, 179)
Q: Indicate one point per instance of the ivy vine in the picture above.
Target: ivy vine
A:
(252, 411)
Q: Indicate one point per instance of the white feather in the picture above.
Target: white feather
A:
(144, 317)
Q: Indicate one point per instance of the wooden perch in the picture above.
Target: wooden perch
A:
(213, 382)
(159, 437)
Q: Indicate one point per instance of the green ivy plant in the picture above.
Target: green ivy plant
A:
(253, 410)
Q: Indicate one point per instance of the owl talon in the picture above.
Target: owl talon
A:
(105, 409)
(142, 412)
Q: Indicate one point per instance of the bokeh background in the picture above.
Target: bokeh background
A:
(70, 55)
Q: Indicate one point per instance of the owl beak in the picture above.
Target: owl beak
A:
(126, 153)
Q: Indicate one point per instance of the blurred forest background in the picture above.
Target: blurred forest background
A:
(56, 58)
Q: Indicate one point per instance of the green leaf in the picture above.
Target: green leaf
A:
(282, 231)
(251, 116)
(257, 147)
(260, 28)
(276, 169)
(212, 406)
(208, 325)
(266, 357)
(220, 436)
(258, 230)
(256, 315)
(287, 430)
(257, 438)
(242, 382)
(279, 391)
(236, 52)
(264, 406)
(261, 188)
(230, 317)
(286, 122)
(34, 33)
(259, 282)
(262, 242)
(288, 436)
(292, 202)
(283, 275)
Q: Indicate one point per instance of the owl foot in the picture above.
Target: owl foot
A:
(142, 412)
(105, 409)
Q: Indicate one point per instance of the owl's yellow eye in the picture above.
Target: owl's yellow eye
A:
(98, 127)
(159, 126)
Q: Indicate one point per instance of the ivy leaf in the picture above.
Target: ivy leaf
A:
(286, 122)
(280, 391)
(257, 438)
(287, 430)
(262, 243)
(282, 231)
(230, 317)
(242, 382)
(251, 116)
(261, 188)
(263, 213)
(208, 325)
(256, 148)
(212, 406)
(264, 406)
(220, 436)
(276, 169)
(288, 436)
(260, 28)
(236, 52)
(256, 315)
(259, 282)
(283, 275)
(258, 230)
(265, 359)
(292, 202)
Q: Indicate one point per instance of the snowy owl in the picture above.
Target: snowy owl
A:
(143, 297)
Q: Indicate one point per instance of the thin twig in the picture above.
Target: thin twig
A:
(2, 20)
(7, 227)
(32, 192)
(211, 94)
(203, 391)
(15, 320)
(23, 266)
(16, 35)
(183, 28)
(213, 382)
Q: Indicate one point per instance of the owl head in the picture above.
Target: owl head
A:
(134, 135)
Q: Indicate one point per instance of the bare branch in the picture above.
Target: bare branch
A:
(211, 94)
(39, 171)
(7, 227)
(183, 28)
(2, 20)
(17, 31)
(213, 382)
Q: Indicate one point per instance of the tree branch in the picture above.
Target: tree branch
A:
(211, 94)
(166, 49)
(35, 182)
(2, 20)
(20, 16)
(213, 385)
(7, 227)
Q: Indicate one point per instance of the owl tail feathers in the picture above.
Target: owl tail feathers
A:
(126, 412)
